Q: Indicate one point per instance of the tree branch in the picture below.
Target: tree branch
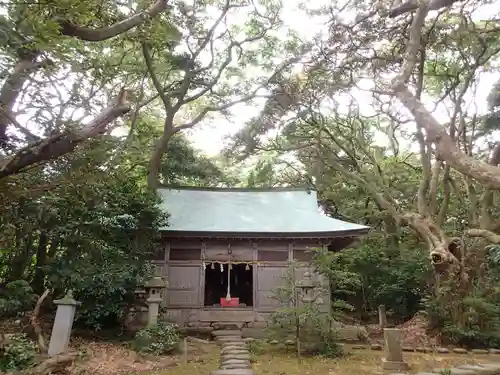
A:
(60, 144)
(156, 82)
(104, 33)
(11, 89)
(484, 233)
(35, 321)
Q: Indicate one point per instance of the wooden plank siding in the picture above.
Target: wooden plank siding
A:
(183, 268)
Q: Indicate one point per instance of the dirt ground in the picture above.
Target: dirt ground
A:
(357, 362)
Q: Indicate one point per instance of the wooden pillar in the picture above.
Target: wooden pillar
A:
(201, 294)
(255, 275)
(290, 252)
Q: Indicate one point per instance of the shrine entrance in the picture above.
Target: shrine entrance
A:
(239, 278)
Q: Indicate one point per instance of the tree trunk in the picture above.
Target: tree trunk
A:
(156, 158)
(38, 283)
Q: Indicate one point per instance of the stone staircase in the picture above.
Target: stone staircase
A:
(234, 355)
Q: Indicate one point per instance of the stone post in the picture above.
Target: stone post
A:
(394, 350)
(382, 317)
(153, 310)
(61, 330)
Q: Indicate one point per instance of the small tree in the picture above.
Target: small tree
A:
(306, 319)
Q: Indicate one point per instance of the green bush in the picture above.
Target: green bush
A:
(255, 347)
(374, 274)
(16, 297)
(159, 339)
(329, 345)
(316, 333)
(467, 317)
(20, 353)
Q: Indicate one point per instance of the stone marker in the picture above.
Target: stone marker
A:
(382, 317)
(61, 330)
(460, 351)
(394, 351)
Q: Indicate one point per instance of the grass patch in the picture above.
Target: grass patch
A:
(276, 361)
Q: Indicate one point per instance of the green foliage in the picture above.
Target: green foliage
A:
(16, 297)
(472, 320)
(255, 347)
(374, 274)
(92, 234)
(20, 353)
(159, 339)
(316, 333)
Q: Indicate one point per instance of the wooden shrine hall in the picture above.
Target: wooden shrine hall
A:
(226, 249)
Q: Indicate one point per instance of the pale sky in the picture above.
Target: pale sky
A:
(209, 137)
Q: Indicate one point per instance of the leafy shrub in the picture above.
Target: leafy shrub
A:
(316, 333)
(468, 317)
(106, 288)
(20, 353)
(16, 297)
(255, 347)
(329, 345)
(159, 339)
(375, 273)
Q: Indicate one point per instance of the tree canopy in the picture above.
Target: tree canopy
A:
(389, 111)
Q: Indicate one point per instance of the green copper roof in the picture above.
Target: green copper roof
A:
(264, 211)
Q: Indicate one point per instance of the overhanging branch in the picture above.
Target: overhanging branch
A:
(60, 144)
(104, 33)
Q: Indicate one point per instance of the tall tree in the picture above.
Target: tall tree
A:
(65, 61)
(319, 117)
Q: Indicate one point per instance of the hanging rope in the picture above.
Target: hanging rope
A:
(230, 265)
(228, 295)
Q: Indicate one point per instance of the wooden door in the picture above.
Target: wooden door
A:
(183, 286)
(269, 278)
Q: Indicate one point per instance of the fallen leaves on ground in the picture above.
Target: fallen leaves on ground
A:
(115, 359)
(415, 332)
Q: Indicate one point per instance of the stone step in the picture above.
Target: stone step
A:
(233, 372)
(227, 332)
(234, 367)
(228, 325)
(229, 338)
(233, 345)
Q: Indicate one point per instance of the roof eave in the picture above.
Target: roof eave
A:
(284, 235)
(237, 189)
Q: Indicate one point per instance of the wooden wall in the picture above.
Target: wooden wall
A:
(180, 262)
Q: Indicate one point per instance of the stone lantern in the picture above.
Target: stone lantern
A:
(155, 287)
(305, 293)
(306, 288)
